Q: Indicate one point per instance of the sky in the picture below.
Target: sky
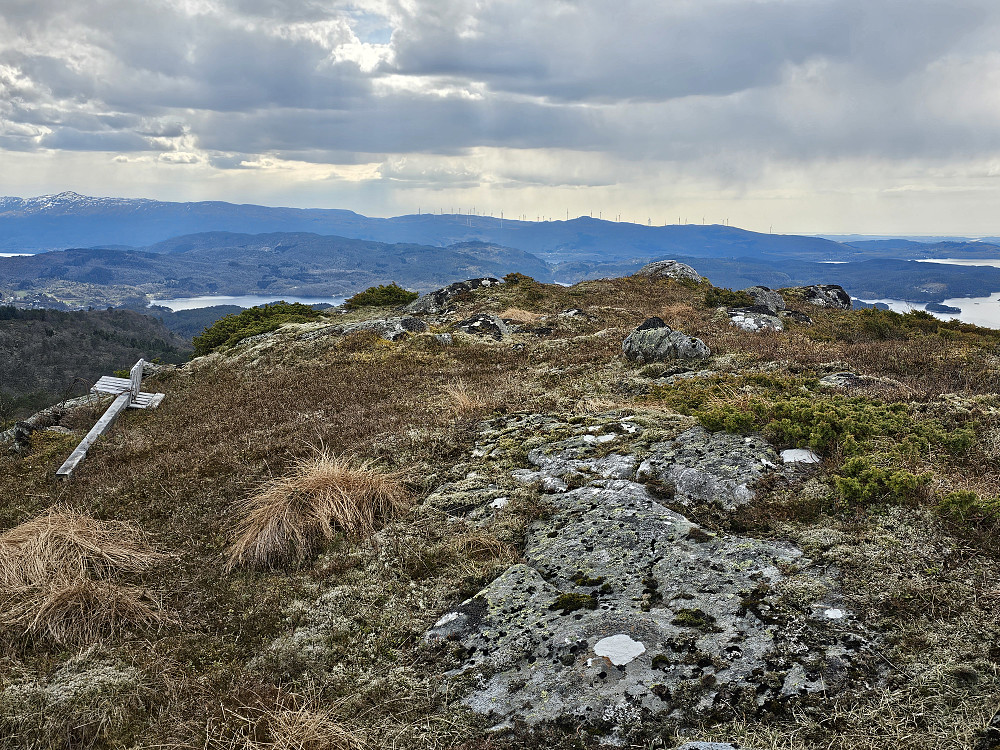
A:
(793, 116)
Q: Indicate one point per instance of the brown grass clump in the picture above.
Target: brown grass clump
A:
(463, 401)
(289, 518)
(518, 315)
(56, 576)
(81, 610)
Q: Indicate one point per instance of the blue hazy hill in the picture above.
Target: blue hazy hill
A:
(71, 220)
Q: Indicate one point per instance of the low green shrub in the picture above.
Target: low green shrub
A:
(716, 297)
(232, 329)
(385, 295)
(862, 483)
(966, 506)
(869, 435)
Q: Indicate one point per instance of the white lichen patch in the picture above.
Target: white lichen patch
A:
(620, 649)
(450, 617)
(799, 456)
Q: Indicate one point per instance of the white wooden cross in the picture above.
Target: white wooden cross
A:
(128, 396)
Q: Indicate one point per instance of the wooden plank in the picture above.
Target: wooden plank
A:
(135, 378)
(108, 384)
(147, 401)
(103, 425)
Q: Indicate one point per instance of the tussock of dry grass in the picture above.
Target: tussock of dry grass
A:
(518, 315)
(81, 610)
(56, 573)
(291, 516)
(461, 399)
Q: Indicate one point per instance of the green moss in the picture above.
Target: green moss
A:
(386, 295)
(572, 602)
(581, 579)
(661, 661)
(694, 618)
(716, 297)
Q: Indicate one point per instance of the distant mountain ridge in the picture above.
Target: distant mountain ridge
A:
(66, 220)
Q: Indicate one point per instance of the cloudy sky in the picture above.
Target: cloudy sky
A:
(876, 116)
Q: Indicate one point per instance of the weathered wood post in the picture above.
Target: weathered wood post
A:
(128, 394)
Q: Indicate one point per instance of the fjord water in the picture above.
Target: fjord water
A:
(981, 311)
(193, 303)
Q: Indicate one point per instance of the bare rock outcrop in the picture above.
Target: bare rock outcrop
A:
(623, 609)
(438, 301)
(669, 269)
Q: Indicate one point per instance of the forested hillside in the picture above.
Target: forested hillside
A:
(48, 355)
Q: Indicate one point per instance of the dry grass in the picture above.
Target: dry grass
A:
(82, 610)
(57, 574)
(461, 400)
(300, 728)
(290, 517)
(63, 543)
(517, 315)
(179, 475)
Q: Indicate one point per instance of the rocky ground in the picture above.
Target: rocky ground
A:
(634, 521)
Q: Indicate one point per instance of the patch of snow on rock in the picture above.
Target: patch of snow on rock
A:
(450, 617)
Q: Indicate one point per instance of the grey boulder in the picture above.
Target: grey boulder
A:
(484, 324)
(826, 295)
(669, 269)
(389, 328)
(755, 319)
(765, 297)
(655, 341)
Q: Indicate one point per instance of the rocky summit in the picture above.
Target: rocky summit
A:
(520, 515)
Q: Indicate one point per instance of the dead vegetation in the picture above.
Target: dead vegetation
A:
(291, 516)
(60, 574)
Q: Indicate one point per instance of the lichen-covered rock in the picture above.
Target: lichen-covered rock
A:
(709, 467)
(825, 295)
(438, 300)
(655, 341)
(389, 328)
(576, 457)
(669, 269)
(484, 324)
(755, 319)
(765, 297)
(47, 417)
(623, 608)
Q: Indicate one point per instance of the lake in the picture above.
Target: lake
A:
(992, 262)
(13, 255)
(250, 300)
(983, 311)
